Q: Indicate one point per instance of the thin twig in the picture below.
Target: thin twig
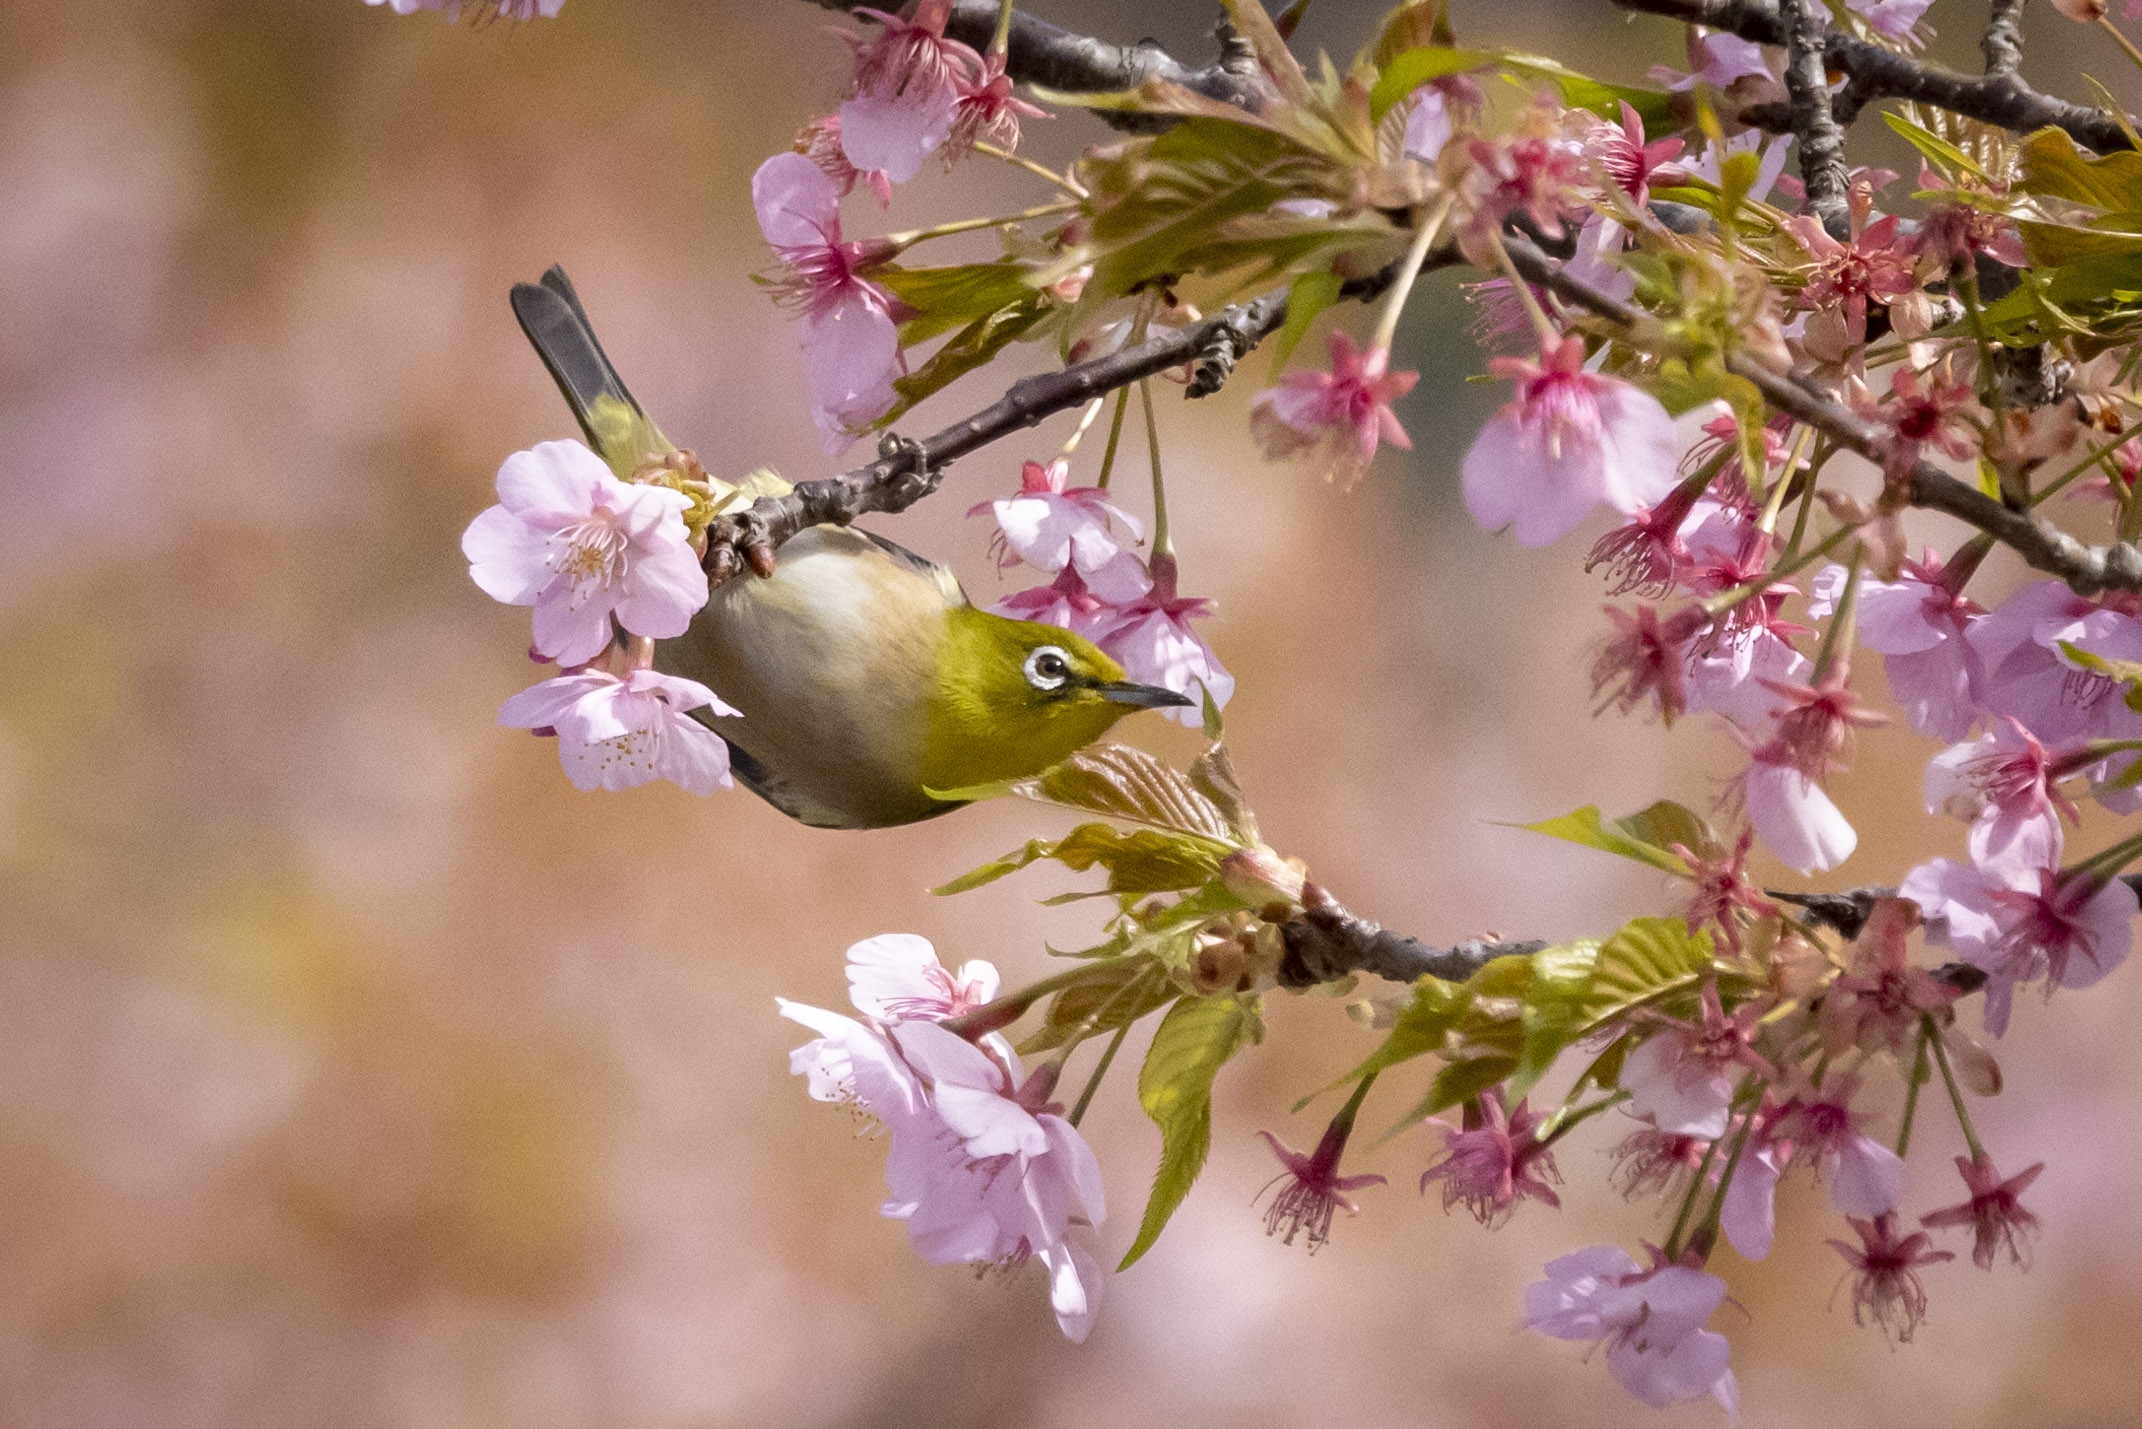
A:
(2002, 43)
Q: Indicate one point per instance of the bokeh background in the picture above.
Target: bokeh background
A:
(356, 1071)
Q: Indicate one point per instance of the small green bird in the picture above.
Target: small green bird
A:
(866, 677)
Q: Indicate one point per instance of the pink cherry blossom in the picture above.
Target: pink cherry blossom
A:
(1155, 645)
(1631, 162)
(1741, 672)
(850, 334)
(1722, 891)
(2030, 679)
(1951, 233)
(1651, 1321)
(1993, 1210)
(1682, 1078)
(1875, 267)
(2006, 783)
(1930, 410)
(1881, 999)
(1649, 1161)
(987, 111)
(570, 539)
(1571, 440)
(1719, 60)
(621, 733)
(1749, 1215)
(1053, 525)
(481, 9)
(853, 1064)
(1897, 19)
(2024, 925)
(1538, 171)
(895, 977)
(908, 84)
(1646, 660)
(1433, 111)
(1064, 602)
(1793, 815)
(1311, 1188)
(1336, 418)
(819, 141)
(1884, 1268)
(1865, 1177)
(1494, 1160)
(1918, 623)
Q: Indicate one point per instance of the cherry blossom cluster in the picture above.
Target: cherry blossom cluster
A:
(981, 1164)
(592, 553)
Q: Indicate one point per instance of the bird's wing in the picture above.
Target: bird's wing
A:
(947, 583)
(557, 326)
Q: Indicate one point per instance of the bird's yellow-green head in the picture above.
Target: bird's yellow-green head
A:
(1014, 697)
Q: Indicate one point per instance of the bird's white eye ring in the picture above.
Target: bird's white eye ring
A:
(1047, 668)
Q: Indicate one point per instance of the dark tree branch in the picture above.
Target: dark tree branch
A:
(2088, 570)
(1326, 943)
(1875, 73)
(1042, 54)
(1821, 137)
(2002, 44)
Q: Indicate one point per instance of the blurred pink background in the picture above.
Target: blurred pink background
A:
(356, 1071)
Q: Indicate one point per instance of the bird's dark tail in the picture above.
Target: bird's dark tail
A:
(558, 328)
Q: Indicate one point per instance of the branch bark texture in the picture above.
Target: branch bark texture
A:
(1821, 137)
(1325, 942)
(1998, 97)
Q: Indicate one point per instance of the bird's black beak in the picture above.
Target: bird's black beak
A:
(1144, 697)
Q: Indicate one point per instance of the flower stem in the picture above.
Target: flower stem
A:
(1085, 421)
(1000, 42)
(1807, 498)
(1941, 1060)
(2103, 864)
(1542, 325)
(1774, 502)
(1065, 182)
(1161, 544)
(1837, 640)
(2096, 456)
(1707, 1230)
(1725, 600)
(2125, 43)
(1570, 1122)
(1115, 435)
(1005, 1010)
(1688, 1202)
(913, 236)
(1410, 269)
(1919, 1074)
(1100, 1070)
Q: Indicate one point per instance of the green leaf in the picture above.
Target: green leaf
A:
(1581, 91)
(1126, 783)
(1587, 827)
(975, 345)
(2057, 244)
(1553, 1012)
(1421, 1027)
(1647, 959)
(1213, 775)
(1113, 991)
(1153, 203)
(1413, 68)
(1310, 295)
(2052, 165)
(1939, 151)
(947, 298)
(1667, 823)
(1194, 1041)
(1140, 861)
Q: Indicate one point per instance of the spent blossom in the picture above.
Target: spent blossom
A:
(1884, 1271)
(819, 141)
(987, 111)
(1629, 160)
(1993, 1210)
(1494, 1160)
(481, 9)
(1873, 267)
(1310, 1187)
(851, 344)
(1569, 441)
(1335, 418)
(619, 733)
(1877, 1002)
(570, 539)
(1650, 1320)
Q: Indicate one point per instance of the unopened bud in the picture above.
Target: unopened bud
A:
(1260, 877)
(1975, 1067)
